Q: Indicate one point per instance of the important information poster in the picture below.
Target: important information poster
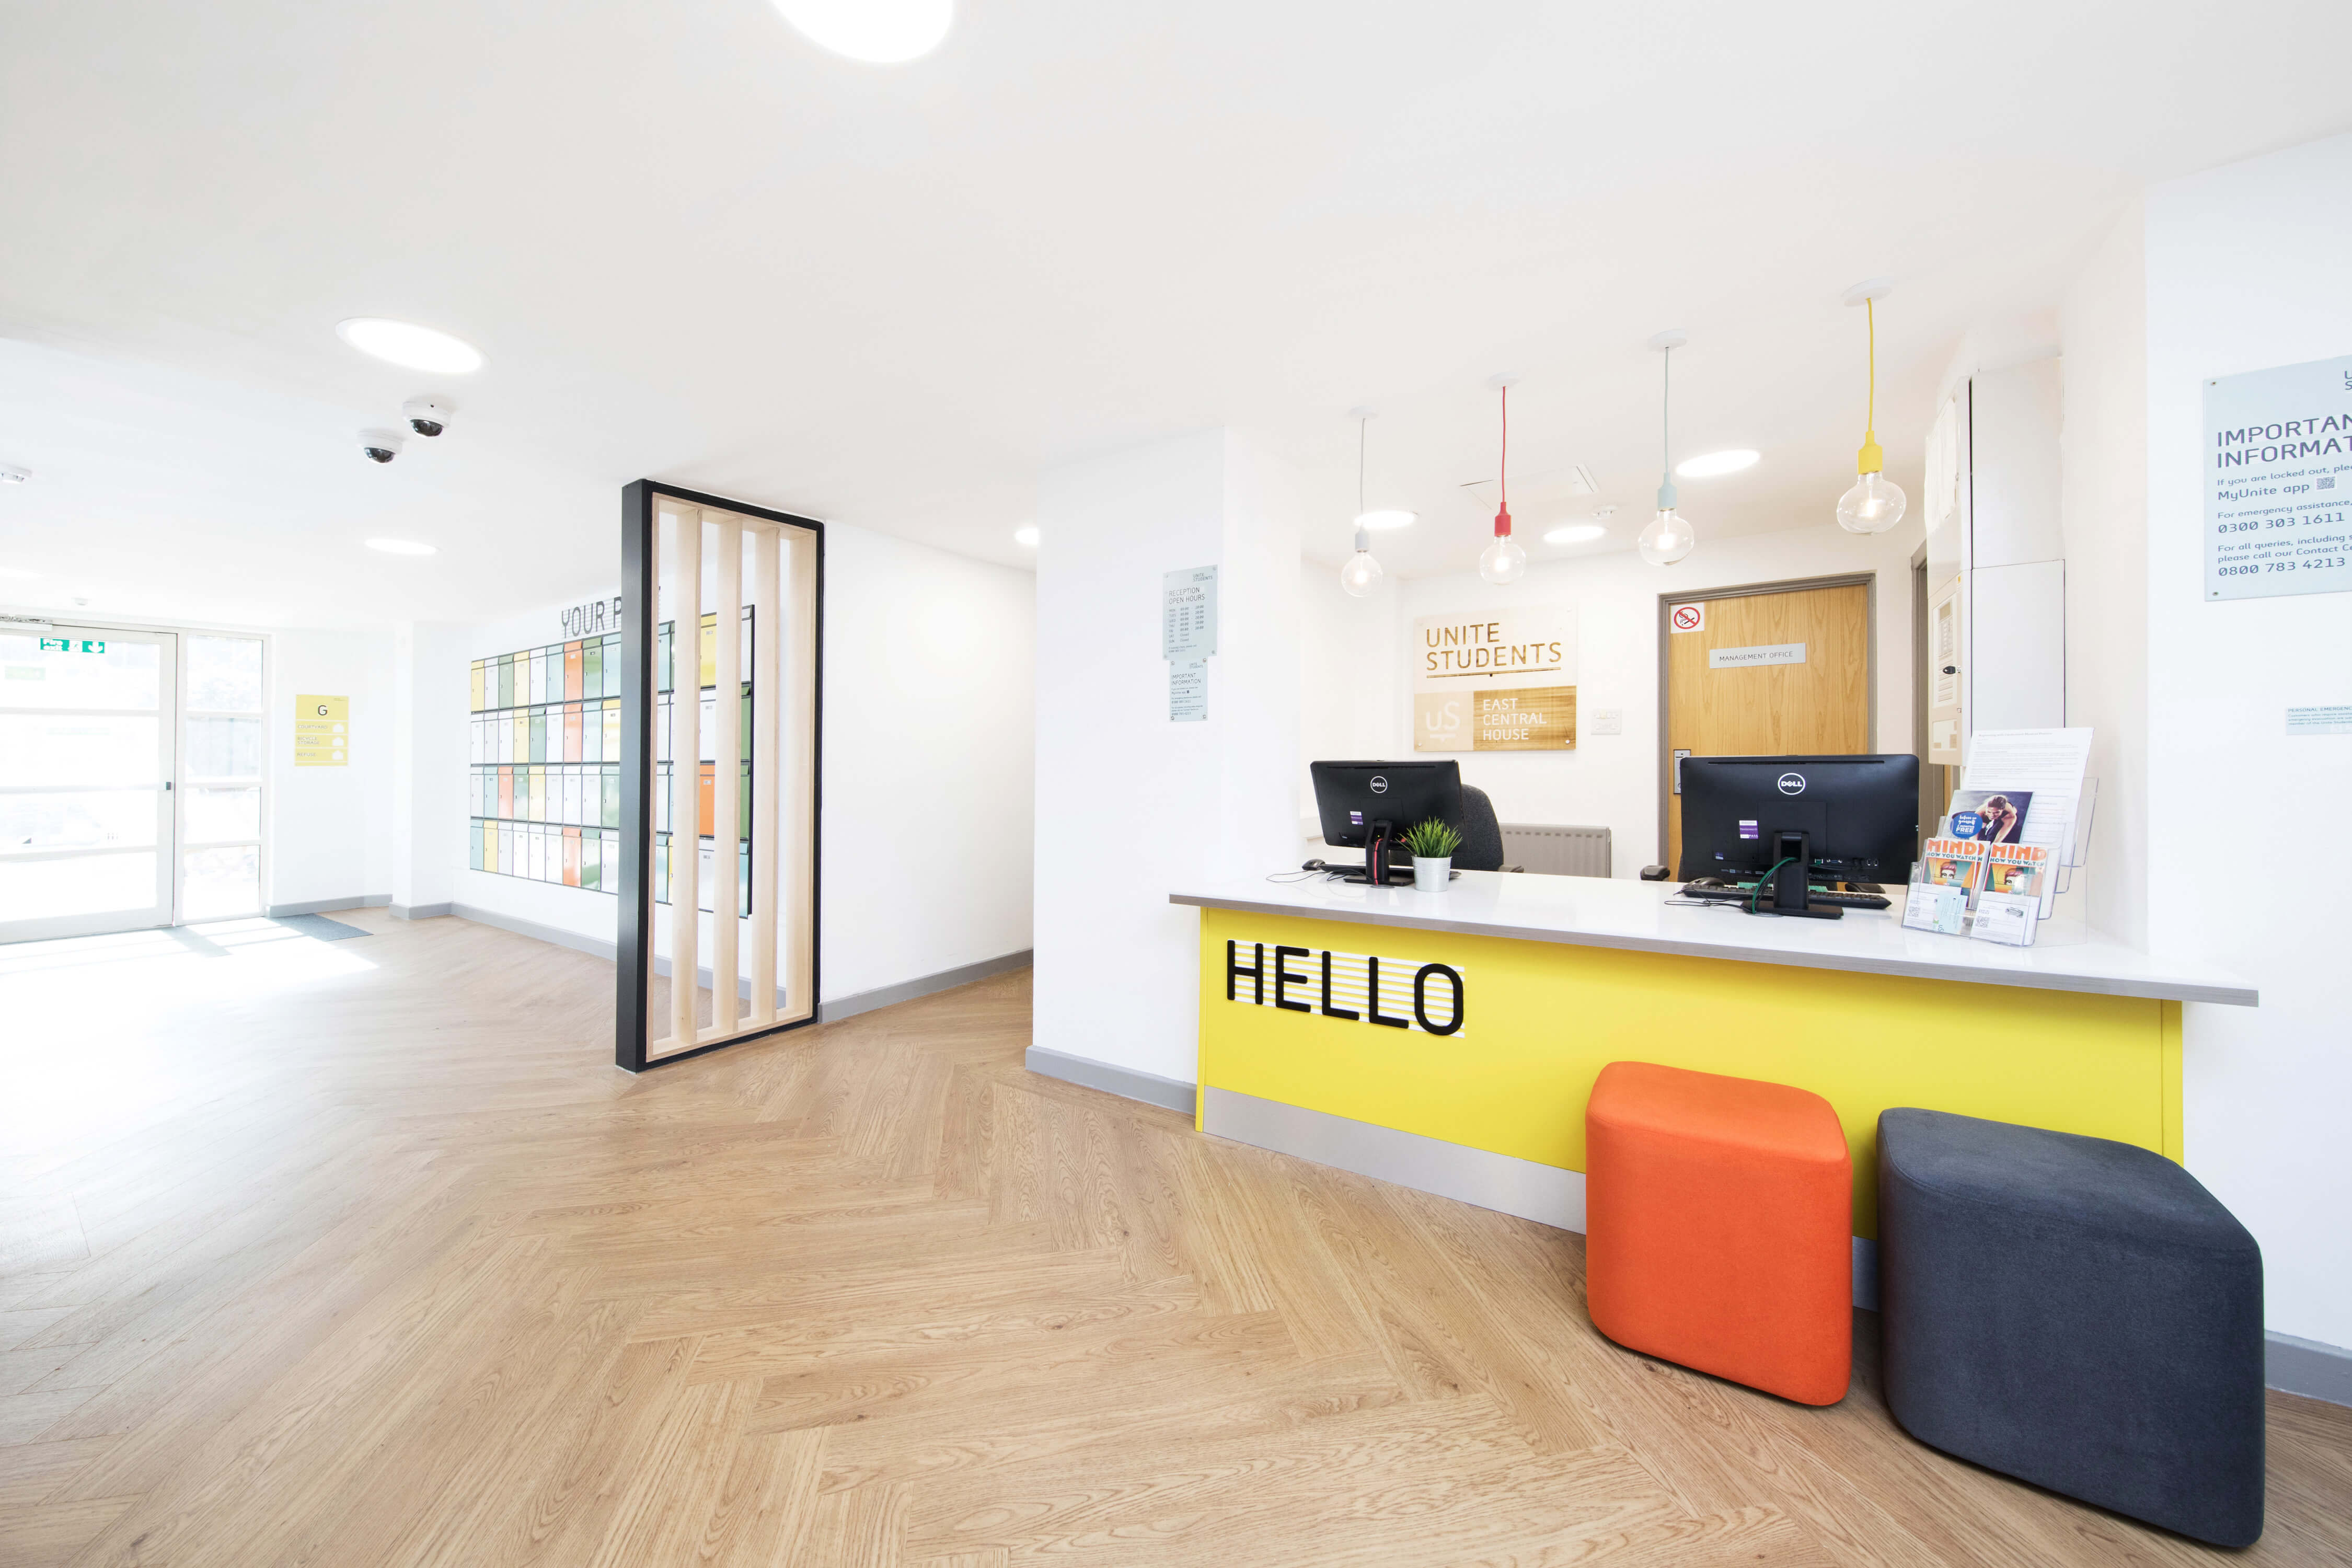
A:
(1501, 680)
(2278, 481)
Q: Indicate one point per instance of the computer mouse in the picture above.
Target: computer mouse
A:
(1314, 866)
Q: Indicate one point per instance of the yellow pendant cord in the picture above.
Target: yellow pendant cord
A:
(1872, 458)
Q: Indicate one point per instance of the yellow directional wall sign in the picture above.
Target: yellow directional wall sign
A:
(323, 731)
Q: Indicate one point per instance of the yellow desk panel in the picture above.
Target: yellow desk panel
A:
(1541, 1019)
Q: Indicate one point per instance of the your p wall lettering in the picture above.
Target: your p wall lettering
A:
(1353, 987)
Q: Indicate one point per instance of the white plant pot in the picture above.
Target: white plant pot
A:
(1432, 872)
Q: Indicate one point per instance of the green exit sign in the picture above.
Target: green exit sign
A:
(72, 645)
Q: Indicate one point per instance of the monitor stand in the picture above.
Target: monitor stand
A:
(1376, 857)
(1789, 882)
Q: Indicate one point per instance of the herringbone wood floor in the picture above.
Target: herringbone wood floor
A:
(363, 1254)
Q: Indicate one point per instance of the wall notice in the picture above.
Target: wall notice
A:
(1188, 613)
(1500, 680)
(323, 731)
(2278, 467)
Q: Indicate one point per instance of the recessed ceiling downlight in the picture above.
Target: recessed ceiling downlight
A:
(405, 343)
(1707, 465)
(401, 547)
(880, 32)
(1026, 534)
(1575, 533)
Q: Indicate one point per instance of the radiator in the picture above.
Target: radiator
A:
(1557, 851)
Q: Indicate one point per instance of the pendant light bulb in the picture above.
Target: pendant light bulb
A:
(1361, 575)
(1873, 505)
(1669, 536)
(1504, 562)
(1875, 502)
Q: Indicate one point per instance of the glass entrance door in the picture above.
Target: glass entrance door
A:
(87, 731)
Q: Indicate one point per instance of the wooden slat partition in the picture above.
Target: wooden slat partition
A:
(773, 564)
(798, 823)
(726, 757)
(767, 766)
(685, 774)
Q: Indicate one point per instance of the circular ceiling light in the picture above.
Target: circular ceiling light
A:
(1707, 465)
(405, 343)
(1380, 520)
(401, 547)
(1026, 534)
(880, 32)
(1575, 533)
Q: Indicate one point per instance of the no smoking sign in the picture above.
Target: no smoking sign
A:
(1688, 618)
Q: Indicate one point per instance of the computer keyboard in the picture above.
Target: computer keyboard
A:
(1829, 900)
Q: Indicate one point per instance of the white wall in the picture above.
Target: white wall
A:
(1608, 780)
(2103, 450)
(329, 837)
(1116, 977)
(2246, 269)
(929, 758)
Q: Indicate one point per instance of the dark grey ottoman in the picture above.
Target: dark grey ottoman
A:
(2077, 1313)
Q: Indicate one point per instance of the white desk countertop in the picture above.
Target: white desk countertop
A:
(1598, 911)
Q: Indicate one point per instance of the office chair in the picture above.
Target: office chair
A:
(1482, 835)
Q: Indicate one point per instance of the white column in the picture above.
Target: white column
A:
(1127, 802)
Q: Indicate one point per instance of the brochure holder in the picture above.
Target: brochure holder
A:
(2068, 923)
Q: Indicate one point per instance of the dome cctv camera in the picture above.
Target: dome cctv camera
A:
(428, 416)
(380, 446)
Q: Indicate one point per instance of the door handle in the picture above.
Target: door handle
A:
(1951, 669)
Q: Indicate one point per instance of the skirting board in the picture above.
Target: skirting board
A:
(839, 1008)
(329, 906)
(924, 985)
(1130, 1083)
(1545, 1193)
(2308, 1367)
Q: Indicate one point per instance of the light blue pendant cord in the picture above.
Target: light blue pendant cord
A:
(1665, 435)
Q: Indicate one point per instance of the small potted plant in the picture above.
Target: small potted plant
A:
(1432, 843)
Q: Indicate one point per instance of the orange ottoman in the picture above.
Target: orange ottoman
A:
(1717, 1228)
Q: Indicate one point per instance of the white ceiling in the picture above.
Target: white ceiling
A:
(695, 247)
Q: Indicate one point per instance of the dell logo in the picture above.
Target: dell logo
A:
(1792, 784)
(1380, 785)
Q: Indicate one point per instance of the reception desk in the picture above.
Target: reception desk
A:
(1464, 1071)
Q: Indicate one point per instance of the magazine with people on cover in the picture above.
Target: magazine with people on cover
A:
(1989, 817)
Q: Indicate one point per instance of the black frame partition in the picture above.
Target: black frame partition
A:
(640, 626)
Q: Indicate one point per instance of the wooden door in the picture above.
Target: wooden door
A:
(1773, 674)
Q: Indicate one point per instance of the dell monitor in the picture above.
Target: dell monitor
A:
(1371, 804)
(1799, 820)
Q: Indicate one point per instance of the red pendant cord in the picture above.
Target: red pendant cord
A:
(1503, 477)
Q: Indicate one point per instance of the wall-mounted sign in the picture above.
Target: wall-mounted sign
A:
(2330, 721)
(72, 645)
(1498, 680)
(1188, 613)
(1187, 691)
(1353, 987)
(1762, 654)
(593, 618)
(2278, 481)
(1687, 617)
(323, 731)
